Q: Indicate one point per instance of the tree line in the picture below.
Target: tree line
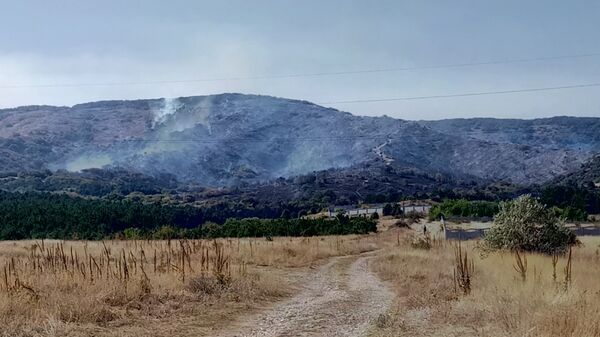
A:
(59, 216)
(254, 227)
(568, 202)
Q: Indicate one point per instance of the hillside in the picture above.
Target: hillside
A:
(574, 133)
(588, 175)
(233, 139)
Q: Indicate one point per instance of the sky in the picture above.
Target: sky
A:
(64, 52)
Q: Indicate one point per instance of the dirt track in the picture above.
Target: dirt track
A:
(343, 298)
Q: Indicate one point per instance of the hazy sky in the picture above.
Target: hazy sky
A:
(89, 42)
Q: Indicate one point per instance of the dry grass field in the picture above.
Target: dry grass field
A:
(151, 288)
(203, 288)
(540, 296)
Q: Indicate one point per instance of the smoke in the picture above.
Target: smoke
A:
(190, 116)
(304, 157)
(88, 161)
(202, 114)
(177, 116)
(170, 106)
(174, 121)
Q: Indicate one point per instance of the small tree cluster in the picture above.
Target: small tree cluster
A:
(393, 210)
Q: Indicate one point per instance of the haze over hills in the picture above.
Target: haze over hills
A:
(232, 139)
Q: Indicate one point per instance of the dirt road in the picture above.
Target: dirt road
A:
(342, 298)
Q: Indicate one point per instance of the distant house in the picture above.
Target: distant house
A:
(416, 206)
(354, 211)
(409, 206)
(597, 184)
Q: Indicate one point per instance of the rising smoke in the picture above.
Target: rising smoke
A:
(88, 161)
(170, 106)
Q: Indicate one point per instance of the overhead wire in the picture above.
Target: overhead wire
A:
(299, 75)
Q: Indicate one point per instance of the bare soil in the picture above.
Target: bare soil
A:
(342, 298)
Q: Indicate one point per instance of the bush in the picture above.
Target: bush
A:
(165, 233)
(375, 216)
(413, 217)
(421, 242)
(525, 224)
(401, 224)
(133, 234)
(204, 284)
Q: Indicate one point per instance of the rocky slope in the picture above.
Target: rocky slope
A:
(232, 139)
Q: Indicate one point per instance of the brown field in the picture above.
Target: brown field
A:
(155, 288)
(550, 301)
(203, 288)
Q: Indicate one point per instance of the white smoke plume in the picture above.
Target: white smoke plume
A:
(88, 161)
(170, 106)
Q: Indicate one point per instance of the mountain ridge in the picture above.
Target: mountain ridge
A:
(228, 139)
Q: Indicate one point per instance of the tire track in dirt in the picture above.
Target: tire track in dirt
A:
(343, 298)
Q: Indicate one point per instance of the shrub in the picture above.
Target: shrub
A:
(525, 224)
(413, 217)
(204, 284)
(401, 224)
(375, 216)
(165, 233)
(421, 242)
(133, 234)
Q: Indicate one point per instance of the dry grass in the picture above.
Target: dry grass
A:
(191, 288)
(509, 295)
(150, 288)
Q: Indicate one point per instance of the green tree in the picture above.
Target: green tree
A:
(525, 224)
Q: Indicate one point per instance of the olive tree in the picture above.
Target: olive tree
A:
(525, 224)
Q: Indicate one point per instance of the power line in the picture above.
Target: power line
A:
(481, 93)
(299, 75)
